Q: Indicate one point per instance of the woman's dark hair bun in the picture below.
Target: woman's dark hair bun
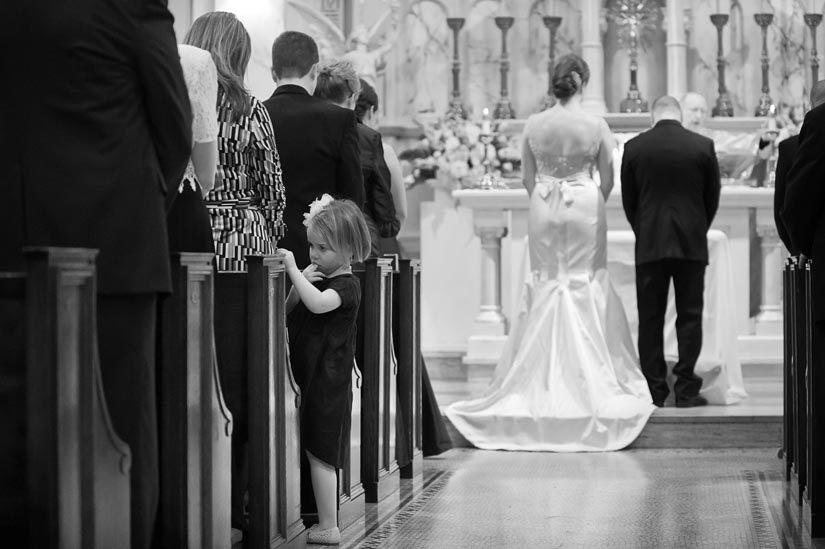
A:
(564, 86)
(569, 75)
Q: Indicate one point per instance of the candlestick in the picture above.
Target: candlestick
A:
(552, 23)
(457, 108)
(503, 107)
(813, 20)
(724, 106)
(765, 101)
(488, 180)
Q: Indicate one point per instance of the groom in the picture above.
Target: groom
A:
(670, 193)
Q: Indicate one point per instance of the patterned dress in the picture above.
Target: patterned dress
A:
(247, 204)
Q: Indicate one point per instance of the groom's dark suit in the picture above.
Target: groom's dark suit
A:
(318, 146)
(670, 193)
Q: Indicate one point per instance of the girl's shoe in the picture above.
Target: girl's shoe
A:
(330, 536)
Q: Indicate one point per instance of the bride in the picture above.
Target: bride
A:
(569, 378)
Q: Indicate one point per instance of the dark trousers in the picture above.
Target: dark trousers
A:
(231, 349)
(126, 344)
(652, 284)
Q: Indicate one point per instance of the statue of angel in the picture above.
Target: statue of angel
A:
(368, 62)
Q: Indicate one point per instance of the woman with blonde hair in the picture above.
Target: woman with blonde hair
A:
(338, 83)
(246, 210)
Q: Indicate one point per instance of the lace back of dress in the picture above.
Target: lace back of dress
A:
(549, 138)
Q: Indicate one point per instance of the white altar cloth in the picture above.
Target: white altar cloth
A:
(718, 363)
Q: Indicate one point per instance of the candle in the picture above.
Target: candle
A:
(717, 7)
(485, 121)
(772, 118)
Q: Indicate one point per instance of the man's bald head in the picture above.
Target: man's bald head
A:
(666, 108)
(818, 94)
(694, 109)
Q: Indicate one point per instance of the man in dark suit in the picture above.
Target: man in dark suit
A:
(670, 193)
(803, 210)
(784, 161)
(94, 125)
(317, 141)
(803, 215)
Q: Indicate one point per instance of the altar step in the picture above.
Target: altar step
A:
(755, 422)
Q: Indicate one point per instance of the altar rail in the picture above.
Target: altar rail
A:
(66, 483)
(804, 382)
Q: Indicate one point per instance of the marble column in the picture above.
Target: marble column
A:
(593, 54)
(676, 49)
(769, 319)
(490, 324)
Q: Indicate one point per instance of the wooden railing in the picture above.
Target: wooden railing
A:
(804, 382)
(195, 425)
(72, 486)
(379, 469)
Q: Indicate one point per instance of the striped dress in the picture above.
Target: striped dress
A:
(247, 204)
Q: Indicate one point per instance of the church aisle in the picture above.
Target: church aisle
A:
(637, 498)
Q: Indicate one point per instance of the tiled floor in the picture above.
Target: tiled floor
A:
(639, 498)
(635, 498)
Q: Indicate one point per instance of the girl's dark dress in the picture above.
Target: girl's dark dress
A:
(322, 350)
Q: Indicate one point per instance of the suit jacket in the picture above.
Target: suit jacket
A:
(803, 212)
(670, 192)
(378, 204)
(94, 124)
(784, 161)
(318, 146)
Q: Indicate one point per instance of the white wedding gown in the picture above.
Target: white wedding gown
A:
(569, 378)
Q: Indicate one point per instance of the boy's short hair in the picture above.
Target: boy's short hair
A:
(341, 224)
(293, 54)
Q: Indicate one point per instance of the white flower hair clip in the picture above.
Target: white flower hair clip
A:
(317, 207)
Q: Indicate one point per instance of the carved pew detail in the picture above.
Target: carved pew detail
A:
(351, 497)
(274, 399)
(76, 468)
(196, 426)
(408, 286)
(379, 468)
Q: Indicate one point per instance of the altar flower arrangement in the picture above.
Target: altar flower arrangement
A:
(450, 156)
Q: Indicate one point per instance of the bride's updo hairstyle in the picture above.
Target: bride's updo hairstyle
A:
(570, 74)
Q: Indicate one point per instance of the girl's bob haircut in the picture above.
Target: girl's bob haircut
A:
(341, 225)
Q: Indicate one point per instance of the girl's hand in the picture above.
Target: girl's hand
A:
(312, 273)
(289, 258)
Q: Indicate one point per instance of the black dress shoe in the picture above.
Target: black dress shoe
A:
(691, 402)
(659, 403)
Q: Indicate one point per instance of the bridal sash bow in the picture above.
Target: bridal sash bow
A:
(547, 185)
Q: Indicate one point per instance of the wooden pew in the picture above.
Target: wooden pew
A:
(406, 317)
(814, 493)
(72, 486)
(788, 325)
(274, 400)
(379, 469)
(800, 342)
(195, 425)
(351, 495)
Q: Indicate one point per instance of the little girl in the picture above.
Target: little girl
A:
(323, 308)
